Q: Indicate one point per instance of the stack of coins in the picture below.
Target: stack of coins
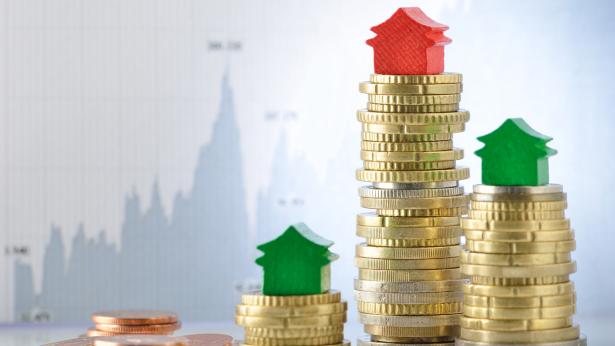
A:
(409, 288)
(123, 322)
(292, 320)
(518, 244)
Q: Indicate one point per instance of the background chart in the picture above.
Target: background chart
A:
(146, 147)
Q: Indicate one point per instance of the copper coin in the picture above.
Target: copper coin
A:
(94, 332)
(141, 340)
(209, 339)
(134, 317)
(142, 329)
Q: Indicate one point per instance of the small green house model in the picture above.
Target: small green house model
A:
(515, 154)
(296, 263)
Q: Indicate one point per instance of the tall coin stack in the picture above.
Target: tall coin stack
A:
(518, 244)
(292, 320)
(409, 289)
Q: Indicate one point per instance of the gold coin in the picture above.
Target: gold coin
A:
(405, 137)
(406, 264)
(535, 336)
(516, 215)
(307, 341)
(482, 197)
(409, 321)
(409, 298)
(516, 259)
(520, 271)
(366, 116)
(415, 203)
(414, 146)
(519, 291)
(371, 219)
(409, 287)
(519, 205)
(423, 212)
(518, 190)
(362, 250)
(520, 248)
(545, 280)
(410, 89)
(372, 192)
(416, 186)
(407, 243)
(519, 314)
(441, 108)
(410, 309)
(294, 333)
(413, 341)
(414, 99)
(413, 129)
(513, 237)
(409, 275)
(492, 225)
(452, 330)
(443, 78)
(290, 322)
(257, 298)
(459, 173)
(402, 342)
(519, 302)
(291, 311)
(409, 232)
(408, 166)
(514, 325)
(412, 156)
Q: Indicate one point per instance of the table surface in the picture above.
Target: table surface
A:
(596, 329)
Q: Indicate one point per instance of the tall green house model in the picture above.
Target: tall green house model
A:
(515, 154)
(296, 263)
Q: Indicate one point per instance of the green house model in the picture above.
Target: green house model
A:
(296, 263)
(515, 154)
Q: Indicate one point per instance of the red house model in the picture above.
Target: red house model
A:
(409, 43)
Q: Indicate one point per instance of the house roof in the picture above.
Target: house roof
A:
(515, 132)
(299, 236)
(409, 17)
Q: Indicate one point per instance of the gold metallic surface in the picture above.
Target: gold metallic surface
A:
(413, 129)
(516, 215)
(520, 248)
(519, 271)
(408, 166)
(291, 311)
(294, 333)
(537, 336)
(409, 321)
(409, 298)
(458, 173)
(304, 341)
(366, 116)
(257, 298)
(410, 309)
(414, 146)
(414, 99)
(290, 322)
(410, 287)
(543, 225)
(371, 219)
(513, 237)
(415, 203)
(412, 156)
(362, 250)
(519, 205)
(515, 260)
(410, 89)
(412, 331)
(519, 314)
(545, 280)
(405, 137)
(443, 78)
(515, 325)
(441, 108)
(457, 211)
(409, 275)
(406, 264)
(519, 302)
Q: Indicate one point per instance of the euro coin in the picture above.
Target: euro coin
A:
(415, 203)
(139, 329)
(456, 211)
(581, 341)
(413, 129)
(414, 99)
(520, 248)
(409, 89)
(405, 137)
(366, 116)
(414, 146)
(519, 205)
(492, 225)
(441, 108)
(409, 298)
(412, 156)
(515, 260)
(513, 237)
(409, 232)
(410, 309)
(516, 215)
(518, 190)
(409, 321)
(291, 311)
(412, 242)
(361, 342)
(515, 325)
(290, 322)
(519, 271)
(459, 173)
(362, 250)
(409, 275)
(408, 166)
(295, 332)
(309, 341)
(257, 298)
(544, 280)
(409, 287)
(371, 219)
(451, 330)
(547, 197)
(519, 314)
(405, 264)
(536, 336)
(519, 291)
(443, 78)
(372, 192)
(519, 302)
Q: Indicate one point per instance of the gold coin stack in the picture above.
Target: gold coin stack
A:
(309, 320)
(125, 322)
(409, 288)
(518, 244)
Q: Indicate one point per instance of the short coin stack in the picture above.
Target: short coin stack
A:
(312, 320)
(123, 322)
(518, 244)
(409, 288)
